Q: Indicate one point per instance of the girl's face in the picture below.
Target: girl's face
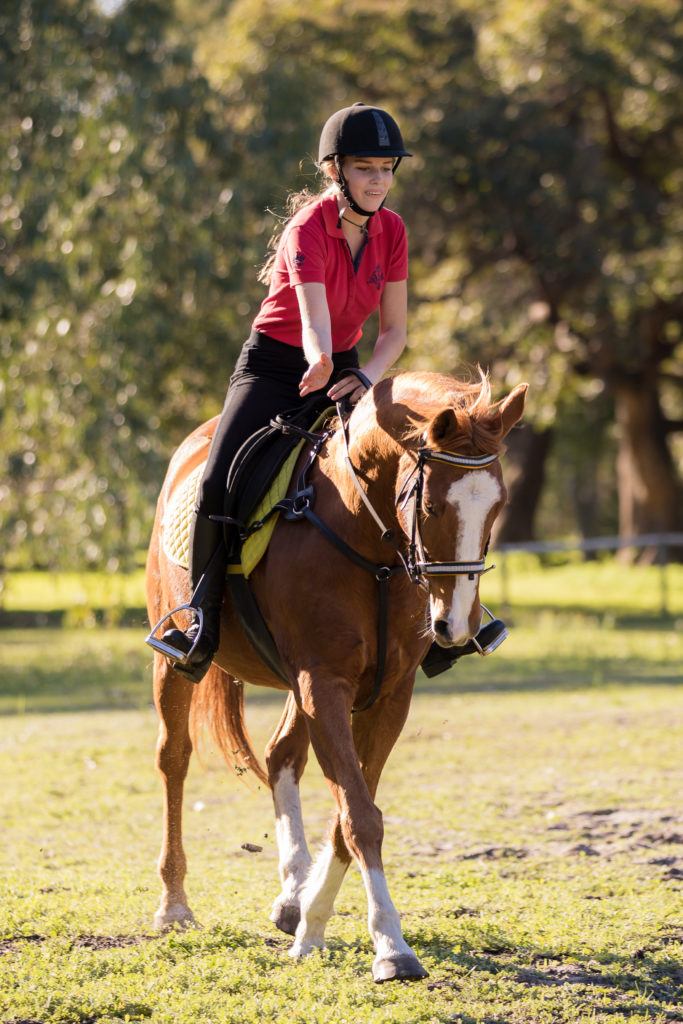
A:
(369, 179)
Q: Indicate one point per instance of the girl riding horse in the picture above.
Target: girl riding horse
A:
(341, 256)
(405, 495)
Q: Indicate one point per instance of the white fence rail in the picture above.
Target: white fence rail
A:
(663, 542)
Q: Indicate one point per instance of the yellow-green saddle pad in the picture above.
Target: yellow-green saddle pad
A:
(176, 526)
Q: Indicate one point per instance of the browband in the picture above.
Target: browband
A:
(466, 461)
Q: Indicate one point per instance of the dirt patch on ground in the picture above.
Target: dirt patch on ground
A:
(648, 837)
(14, 940)
(496, 853)
(565, 974)
(81, 941)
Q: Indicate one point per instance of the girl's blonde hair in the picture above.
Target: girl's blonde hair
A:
(295, 202)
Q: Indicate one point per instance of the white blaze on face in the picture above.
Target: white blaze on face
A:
(474, 497)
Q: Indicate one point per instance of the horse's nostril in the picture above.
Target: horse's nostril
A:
(442, 629)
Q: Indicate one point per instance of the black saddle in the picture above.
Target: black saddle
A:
(262, 455)
(258, 462)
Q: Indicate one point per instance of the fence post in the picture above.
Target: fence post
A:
(505, 602)
(663, 591)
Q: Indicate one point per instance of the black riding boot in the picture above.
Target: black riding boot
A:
(198, 644)
(439, 659)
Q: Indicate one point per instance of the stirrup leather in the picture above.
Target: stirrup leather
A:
(182, 657)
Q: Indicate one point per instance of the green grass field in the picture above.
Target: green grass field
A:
(534, 833)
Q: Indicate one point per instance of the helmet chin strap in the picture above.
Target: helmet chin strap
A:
(344, 186)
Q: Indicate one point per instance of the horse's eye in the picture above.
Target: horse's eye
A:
(430, 509)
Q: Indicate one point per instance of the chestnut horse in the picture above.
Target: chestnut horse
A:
(423, 449)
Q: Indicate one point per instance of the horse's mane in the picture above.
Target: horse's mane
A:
(474, 428)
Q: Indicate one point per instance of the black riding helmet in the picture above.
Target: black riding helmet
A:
(360, 130)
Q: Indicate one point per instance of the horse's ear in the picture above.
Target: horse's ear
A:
(511, 408)
(443, 426)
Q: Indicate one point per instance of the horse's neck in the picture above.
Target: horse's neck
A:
(375, 457)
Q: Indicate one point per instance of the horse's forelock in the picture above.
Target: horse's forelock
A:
(473, 433)
(474, 429)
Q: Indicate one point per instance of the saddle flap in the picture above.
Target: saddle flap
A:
(262, 456)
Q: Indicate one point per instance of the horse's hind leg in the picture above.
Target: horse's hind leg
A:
(172, 697)
(286, 756)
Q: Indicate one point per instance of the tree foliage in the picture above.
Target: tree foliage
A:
(141, 153)
(119, 266)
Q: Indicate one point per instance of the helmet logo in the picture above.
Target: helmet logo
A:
(382, 133)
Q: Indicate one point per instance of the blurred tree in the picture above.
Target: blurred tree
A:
(120, 271)
(543, 202)
(139, 156)
(565, 181)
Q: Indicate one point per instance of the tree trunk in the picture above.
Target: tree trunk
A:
(525, 462)
(649, 491)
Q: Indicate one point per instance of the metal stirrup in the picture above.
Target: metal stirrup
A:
(157, 644)
(495, 643)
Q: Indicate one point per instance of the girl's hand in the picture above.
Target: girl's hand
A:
(316, 376)
(350, 386)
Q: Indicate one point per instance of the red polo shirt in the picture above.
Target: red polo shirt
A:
(313, 248)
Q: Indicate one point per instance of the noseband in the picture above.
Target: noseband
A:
(410, 497)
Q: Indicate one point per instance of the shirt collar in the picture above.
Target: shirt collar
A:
(331, 218)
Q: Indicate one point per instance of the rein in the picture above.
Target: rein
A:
(415, 564)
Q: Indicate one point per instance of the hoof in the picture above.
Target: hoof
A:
(401, 968)
(286, 918)
(176, 916)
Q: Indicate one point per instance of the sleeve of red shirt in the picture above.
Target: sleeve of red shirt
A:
(398, 267)
(305, 251)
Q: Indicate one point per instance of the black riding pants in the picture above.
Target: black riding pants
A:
(265, 382)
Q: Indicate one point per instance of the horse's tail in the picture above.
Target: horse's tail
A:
(218, 704)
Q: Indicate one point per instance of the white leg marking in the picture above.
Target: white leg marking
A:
(176, 913)
(294, 858)
(317, 901)
(474, 495)
(383, 920)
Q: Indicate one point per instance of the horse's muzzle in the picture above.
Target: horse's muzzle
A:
(444, 636)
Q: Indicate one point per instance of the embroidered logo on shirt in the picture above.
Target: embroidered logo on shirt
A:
(299, 259)
(376, 277)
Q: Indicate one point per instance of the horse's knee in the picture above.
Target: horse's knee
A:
(278, 759)
(341, 850)
(288, 748)
(363, 834)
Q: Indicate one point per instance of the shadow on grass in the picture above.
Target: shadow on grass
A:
(80, 686)
(656, 621)
(46, 671)
(70, 670)
(548, 674)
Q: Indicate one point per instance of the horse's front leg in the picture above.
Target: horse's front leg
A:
(375, 732)
(286, 756)
(172, 697)
(358, 829)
